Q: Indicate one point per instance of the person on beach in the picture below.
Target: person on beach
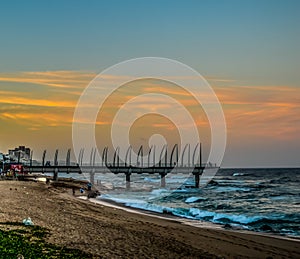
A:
(73, 190)
(89, 186)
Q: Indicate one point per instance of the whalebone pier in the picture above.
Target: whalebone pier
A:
(189, 162)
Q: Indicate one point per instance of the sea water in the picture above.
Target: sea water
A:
(262, 200)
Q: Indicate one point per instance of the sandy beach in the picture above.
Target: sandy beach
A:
(108, 232)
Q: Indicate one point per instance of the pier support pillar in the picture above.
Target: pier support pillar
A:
(197, 180)
(162, 180)
(92, 177)
(127, 181)
(55, 174)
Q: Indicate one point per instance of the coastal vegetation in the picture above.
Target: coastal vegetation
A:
(18, 240)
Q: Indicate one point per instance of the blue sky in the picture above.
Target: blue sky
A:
(250, 40)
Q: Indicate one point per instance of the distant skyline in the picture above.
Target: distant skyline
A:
(247, 50)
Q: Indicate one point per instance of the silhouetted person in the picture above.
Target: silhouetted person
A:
(89, 186)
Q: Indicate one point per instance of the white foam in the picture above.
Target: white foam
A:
(215, 217)
(186, 221)
(159, 192)
(232, 189)
(194, 199)
(189, 213)
(120, 200)
(148, 179)
(237, 174)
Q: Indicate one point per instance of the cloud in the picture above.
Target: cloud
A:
(262, 111)
(36, 102)
(166, 90)
(57, 79)
(270, 111)
(164, 125)
(37, 121)
(215, 79)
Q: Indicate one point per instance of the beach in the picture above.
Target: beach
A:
(109, 232)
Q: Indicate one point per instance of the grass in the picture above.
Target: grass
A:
(29, 241)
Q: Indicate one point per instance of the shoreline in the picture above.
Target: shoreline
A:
(182, 220)
(107, 232)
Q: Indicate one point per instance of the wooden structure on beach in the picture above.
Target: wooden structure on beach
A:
(165, 166)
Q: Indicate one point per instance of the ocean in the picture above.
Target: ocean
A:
(261, 200)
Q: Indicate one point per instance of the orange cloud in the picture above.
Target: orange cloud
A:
(38, 118)
(262, 111)
(164, 125)
(36, 102)
(60, 79)
(270, 111)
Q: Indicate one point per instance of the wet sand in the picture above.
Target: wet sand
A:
(108, 232)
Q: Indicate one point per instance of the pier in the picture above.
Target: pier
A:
(143, 164)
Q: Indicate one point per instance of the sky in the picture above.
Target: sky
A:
(248, 51)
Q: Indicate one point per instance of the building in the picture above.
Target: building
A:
(19, 153)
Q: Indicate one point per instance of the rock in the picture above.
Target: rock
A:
(227, 226)
(266, 228)
(93, 194)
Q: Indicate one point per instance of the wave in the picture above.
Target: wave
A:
(222, 217)
(232, 189)
(263, 223)
(159, 192)
(238, 174)
(284, 179)
(194, 213)
(151, 180)
(278, 220)
(194, 199)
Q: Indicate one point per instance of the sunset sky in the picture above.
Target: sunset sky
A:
(248, 51)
